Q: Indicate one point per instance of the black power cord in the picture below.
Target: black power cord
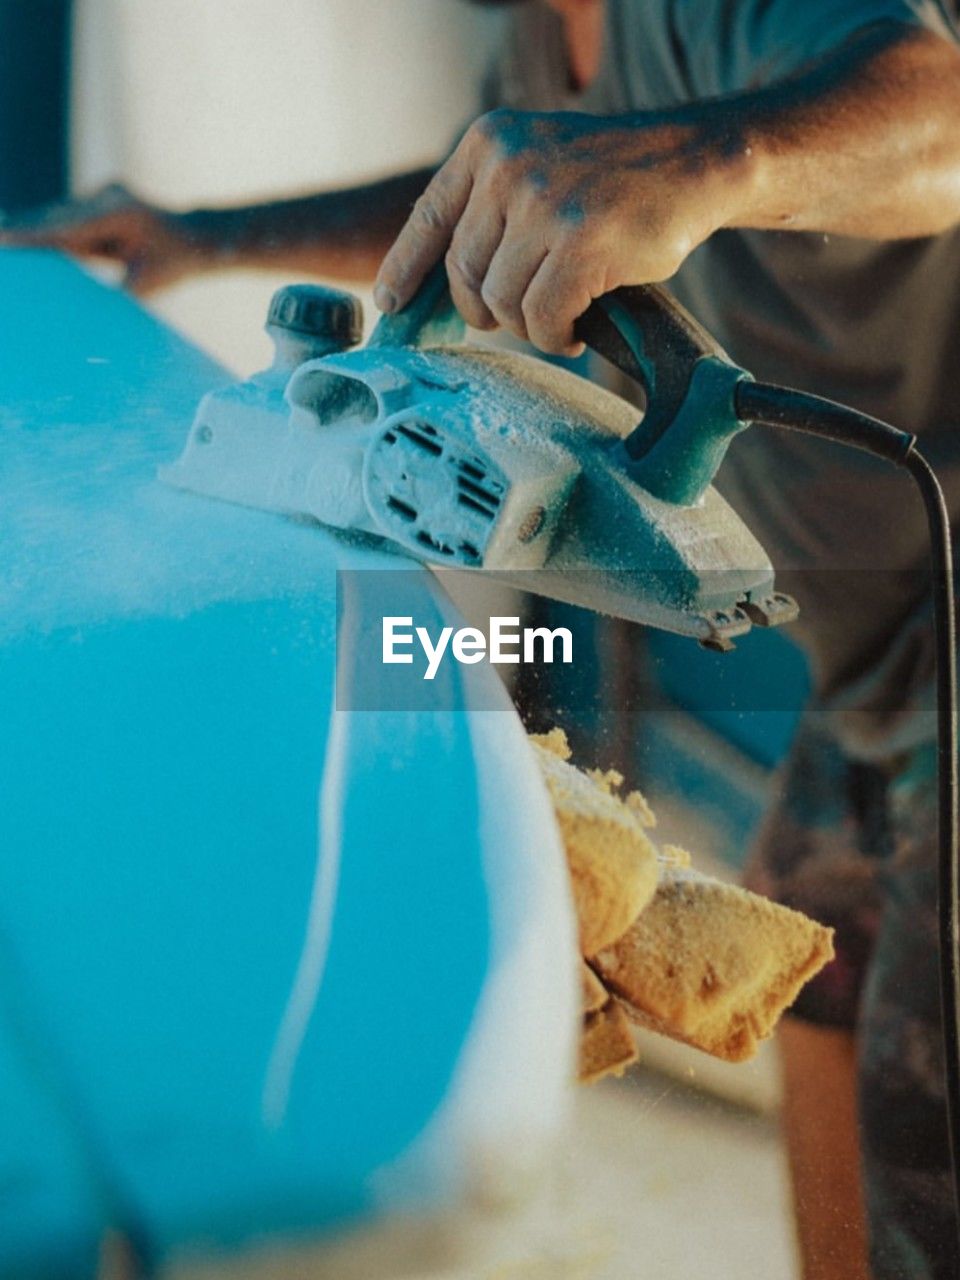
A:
(799, 411)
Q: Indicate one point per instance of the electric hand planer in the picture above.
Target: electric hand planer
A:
(475, 458)
(464, 456)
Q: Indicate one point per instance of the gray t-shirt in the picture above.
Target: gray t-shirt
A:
(872, 324)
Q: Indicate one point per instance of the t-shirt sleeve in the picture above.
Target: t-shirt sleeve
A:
(750, 43)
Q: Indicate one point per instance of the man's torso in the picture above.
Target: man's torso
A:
(872, 324)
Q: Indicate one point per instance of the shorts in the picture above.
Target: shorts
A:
(854, 845)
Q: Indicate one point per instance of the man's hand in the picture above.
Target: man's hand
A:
(538, 214)
(154, 246)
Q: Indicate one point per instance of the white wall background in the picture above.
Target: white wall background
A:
(194, 102)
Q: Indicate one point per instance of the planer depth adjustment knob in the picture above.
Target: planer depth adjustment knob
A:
(306, 321)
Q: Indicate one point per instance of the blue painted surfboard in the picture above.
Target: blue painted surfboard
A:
(268, 966)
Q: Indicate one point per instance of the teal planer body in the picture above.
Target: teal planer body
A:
(475, 458)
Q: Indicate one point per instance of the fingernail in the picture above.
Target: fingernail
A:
(384, 298)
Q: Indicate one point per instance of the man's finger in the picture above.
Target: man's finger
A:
(425, 235)
(474, 243)
(17, 238)
(512, 268)
(100, 238)
(65, 214)
(558, 294)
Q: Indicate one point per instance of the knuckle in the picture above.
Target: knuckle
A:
(498, 301)
(427, 215)
(573, 214)
(494, 123)
(539, 313)
(590, 262)
(667, 253)
(478, 134)
(534, 200)
(481, 142)
(458, 264)
(682, 246)
(502, 133)
(580, 249)
(588, 234)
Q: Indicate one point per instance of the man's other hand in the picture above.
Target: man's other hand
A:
(154, 247)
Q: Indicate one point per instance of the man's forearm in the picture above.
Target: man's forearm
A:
(864, 144)
(337, 234)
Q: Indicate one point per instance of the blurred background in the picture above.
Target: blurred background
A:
(680, 1167)
(231, 101)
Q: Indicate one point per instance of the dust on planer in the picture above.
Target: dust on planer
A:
(476, 458)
